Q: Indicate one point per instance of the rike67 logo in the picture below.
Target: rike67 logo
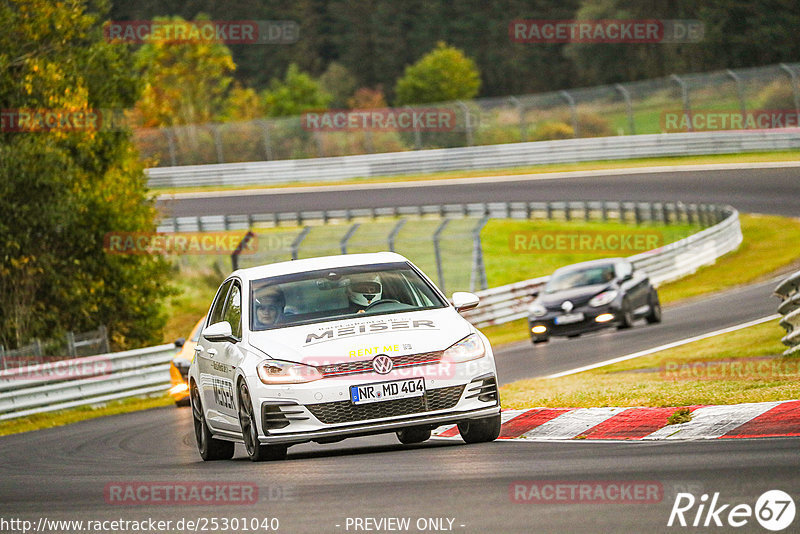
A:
(774, 510)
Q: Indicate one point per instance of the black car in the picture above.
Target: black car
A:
(589, 296)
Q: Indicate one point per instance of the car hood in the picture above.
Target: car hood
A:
(359, 339)
(577, 295)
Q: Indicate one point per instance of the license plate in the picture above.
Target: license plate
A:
(385, 391)
(569, 318)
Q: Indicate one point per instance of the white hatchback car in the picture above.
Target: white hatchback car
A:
(328, 348)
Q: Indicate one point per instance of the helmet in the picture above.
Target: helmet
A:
(364, 290)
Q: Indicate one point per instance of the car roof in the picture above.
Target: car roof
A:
(313, 264)
(591, 263)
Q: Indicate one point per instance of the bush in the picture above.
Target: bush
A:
(548, 131)
(777, 95)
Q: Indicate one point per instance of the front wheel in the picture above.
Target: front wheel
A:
(480, 430)
(210, 448)
(654, 316)
(415, 434)
(626, 316)
(255, 450)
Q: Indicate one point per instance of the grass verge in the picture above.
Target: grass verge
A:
(741, 366)
(73, 415)
(753, 157)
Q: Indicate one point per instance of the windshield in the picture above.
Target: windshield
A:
(339, 293)
(600, 274)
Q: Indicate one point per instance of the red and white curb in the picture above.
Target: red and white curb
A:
(755, 420)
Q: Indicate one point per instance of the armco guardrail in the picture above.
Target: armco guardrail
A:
(789, 292)
(82, 381)
(507, 303)
(474, 158)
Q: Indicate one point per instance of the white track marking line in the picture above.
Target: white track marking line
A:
(712, 422)
(665, 347)
(481, 179)
(570, 424)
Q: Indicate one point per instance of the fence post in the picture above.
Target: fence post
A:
(3, 356)
(267, 140)
(299, 239)
(438, 253)
(217, 142)
(523, 133)
(467, 121)
(71, 344)
(573, 111)
(394, 232)
(739, 92)
(478, 275)
(103, 333)
(347, 236)
(243, 243)
(627, 97)
(169, 133)
(793, 80)
(417, 133)
(687, 109)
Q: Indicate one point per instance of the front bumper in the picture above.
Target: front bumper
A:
(588, 324)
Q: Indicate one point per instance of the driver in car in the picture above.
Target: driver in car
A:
(364, 290)
(269, 307)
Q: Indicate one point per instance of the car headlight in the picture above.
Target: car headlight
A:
(603, 298)
(278, 372)
(537, 310)
(469, 348)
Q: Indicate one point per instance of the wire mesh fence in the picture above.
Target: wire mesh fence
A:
(721, 100)
(72, 345)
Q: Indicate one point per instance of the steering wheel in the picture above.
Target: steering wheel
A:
(381, 301)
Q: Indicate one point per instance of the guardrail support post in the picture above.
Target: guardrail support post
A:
(793, 80)
(438, 253)
(394, 232)
(295, 246)
(573, 111)
(687, 109)
(627, 97)
(347, 236)
(478, 276)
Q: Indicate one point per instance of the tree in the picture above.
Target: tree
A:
(298, 92)
(442, 75)
(338, 82)
(62, 191)
(184, 83)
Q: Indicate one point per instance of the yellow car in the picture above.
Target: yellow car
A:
(179, 366)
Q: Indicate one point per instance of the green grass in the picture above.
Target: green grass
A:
(648, 381)
(73, 415)
(750, 157)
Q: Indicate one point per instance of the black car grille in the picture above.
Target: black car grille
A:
(365, 366)
(345, 411)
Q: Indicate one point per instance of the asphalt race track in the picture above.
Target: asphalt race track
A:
(66, 472)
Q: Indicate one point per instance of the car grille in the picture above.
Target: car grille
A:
(365, 366)
(345, 411)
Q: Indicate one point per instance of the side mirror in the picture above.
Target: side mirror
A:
(465, 301)
(220, 331)
(180, 342)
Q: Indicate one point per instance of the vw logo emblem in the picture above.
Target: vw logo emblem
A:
(382, 364)
(567, 306)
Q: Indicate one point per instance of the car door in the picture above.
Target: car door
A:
(206, 353)
(227, 359)
(635, 287)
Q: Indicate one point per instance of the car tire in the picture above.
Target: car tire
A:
(539, 340)
(255, 450)
(210, 448)
(654, 315)
(480, 430)
(414, 434)
(626, 316)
